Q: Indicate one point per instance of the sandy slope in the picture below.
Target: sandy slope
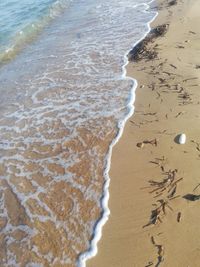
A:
(167, 103)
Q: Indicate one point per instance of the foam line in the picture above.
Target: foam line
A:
(92, 251)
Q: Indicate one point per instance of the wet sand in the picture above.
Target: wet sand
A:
(151, 223)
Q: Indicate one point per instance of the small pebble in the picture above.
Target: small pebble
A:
(182, 139)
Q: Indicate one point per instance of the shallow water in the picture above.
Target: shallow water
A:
(21, 21)
(62, 99)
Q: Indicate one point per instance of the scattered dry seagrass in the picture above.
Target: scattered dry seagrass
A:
(158, 212)
(160, 253)
(179, 216)
(166, 190)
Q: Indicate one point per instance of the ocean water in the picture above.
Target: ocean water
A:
(22, 21)
(64, 101)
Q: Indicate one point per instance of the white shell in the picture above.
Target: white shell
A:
(182, 139)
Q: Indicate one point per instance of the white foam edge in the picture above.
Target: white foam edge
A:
(97, 233)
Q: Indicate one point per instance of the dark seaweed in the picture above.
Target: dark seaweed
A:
(172, 3)
(142, 50)
(192, 197)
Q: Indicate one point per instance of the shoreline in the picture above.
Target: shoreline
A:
(93, 249)
(125, 241)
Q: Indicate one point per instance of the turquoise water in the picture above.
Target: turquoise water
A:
(20, 22)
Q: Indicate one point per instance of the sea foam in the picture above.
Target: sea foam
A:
(93, 250)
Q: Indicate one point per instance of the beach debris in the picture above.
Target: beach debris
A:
(169, 74)
(158, 212)
(176, 182)
(179, 88)
(160, 65)
(161, 80)
(189, 79)
(167, 183)
(152, 86)
(179, 114)
(172, 3)
(185, 97)
(142, 49)
(140, 145)
(192, 197)
(164, 204)
(168, 187)
(197, 66)
(180, 139)
(160, 233)
(155, 217)
(138, 125)
(162, 168)
(153, 142)
(196, 187)
(179, 216)
(192, 32)
(159, 95)
(150, 113)
(159, 30)
(173, 192)
(150, 263)
(155, 162)
(173, 66)
(159, 162)
(177, 196)
(160, 252)
(153, 240)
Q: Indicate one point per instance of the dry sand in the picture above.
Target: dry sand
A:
(167, 103)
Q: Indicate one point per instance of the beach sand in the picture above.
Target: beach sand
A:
(167, 104)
